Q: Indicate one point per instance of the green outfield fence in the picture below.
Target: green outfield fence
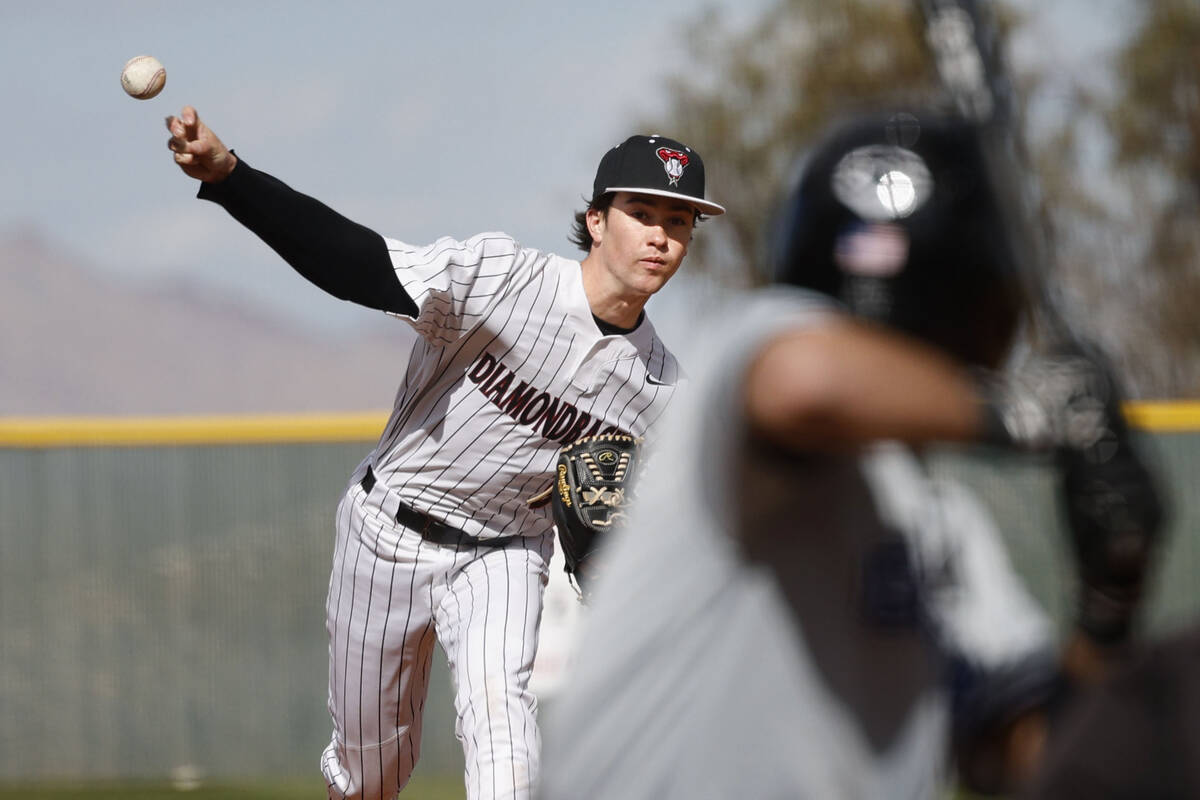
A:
(162, 584)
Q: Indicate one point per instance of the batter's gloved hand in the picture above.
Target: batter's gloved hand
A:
(1066, 398)
(592, 490)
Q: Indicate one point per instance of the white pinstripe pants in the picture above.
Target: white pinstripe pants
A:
(391, 594)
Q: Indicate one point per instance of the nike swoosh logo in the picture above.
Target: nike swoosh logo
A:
(651, 379)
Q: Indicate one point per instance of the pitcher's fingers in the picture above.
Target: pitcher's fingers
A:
(191, 122)
(181, 145)
(176, 127)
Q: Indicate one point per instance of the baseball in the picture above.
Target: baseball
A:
(143, 77)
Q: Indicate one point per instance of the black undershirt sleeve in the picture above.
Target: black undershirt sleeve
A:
(348, 260)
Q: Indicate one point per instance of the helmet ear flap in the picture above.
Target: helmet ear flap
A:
(783, 238)
(799, 231)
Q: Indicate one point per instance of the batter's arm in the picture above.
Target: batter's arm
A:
(346, 259)
(845, 383)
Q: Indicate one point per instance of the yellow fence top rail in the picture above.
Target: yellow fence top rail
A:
(45, 432)
(42, 432)
(1167, 417)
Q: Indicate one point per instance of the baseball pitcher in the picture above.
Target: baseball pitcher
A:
(519, 354)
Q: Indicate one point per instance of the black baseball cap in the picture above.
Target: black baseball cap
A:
(655, 165)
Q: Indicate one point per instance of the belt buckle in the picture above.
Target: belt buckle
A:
(427, 525)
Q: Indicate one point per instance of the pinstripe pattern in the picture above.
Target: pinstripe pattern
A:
(509, 366)
(449, 447)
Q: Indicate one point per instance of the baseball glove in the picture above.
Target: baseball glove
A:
(593, 478)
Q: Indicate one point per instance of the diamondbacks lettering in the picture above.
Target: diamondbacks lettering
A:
(553, 417)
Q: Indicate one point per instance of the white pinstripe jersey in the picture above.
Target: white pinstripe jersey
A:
(509, 366)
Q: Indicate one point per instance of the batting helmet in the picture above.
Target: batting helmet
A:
(895, 215)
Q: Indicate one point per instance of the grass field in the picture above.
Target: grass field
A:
(449, 788)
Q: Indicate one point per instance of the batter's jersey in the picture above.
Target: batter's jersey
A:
(509, 366)
(771, 626)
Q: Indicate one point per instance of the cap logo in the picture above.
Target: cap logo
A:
(673, 162)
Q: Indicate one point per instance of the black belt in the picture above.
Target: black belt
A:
(433, 530)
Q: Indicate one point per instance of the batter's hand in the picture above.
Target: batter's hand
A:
(198, 151)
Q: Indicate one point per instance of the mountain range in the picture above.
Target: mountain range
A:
(77, 341)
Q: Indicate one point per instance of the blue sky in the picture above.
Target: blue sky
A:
(417, 119)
